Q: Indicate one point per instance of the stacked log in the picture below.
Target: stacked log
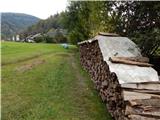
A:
(143, 100)
(105, 81)
(113, 94)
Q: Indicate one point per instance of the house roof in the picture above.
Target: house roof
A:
(34, 36)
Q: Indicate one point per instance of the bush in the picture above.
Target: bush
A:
(49, 39)
(39, 39)
(60, 38)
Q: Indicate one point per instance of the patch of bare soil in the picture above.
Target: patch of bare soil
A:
(29, 66)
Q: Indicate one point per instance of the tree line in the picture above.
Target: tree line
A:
(138, 20)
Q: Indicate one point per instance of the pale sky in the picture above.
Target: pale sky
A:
(39, 8)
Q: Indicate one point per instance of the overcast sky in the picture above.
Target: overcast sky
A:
(38, 8)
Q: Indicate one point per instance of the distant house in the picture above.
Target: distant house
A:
(13, 38)
(17, 38)
(32, 37)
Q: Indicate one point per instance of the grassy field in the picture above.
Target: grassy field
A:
(46, 82)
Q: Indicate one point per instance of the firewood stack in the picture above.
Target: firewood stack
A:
(105, 81)
(124, 101)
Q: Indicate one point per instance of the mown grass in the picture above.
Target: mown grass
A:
(57, 89)
(17, 52)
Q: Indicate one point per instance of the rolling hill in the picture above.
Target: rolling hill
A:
(13, 23)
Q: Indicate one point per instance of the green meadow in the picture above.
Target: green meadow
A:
(46, 82)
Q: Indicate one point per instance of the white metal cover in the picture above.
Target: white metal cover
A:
(124, 47)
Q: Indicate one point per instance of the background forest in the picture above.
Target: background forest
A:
(138, 20)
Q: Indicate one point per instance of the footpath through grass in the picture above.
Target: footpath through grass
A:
(46, 82)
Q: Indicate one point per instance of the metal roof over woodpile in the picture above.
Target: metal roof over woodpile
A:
(112, 45)
(124, 47)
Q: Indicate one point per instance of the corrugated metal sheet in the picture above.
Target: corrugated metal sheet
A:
(124, 47)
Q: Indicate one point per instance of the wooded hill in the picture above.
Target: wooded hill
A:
(13, 23)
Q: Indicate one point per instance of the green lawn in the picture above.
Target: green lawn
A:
(46, 82)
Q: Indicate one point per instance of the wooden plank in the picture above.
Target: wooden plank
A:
(130, 95)
(156, 92)
(151, 85)
(86, 41)
(143, 110)
(129, 62)
(136, 59)
(140, 117)
(145, 102)
(108, 34)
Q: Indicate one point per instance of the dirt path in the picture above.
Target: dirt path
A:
(80, 78)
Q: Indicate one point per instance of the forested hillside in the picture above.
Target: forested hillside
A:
(13, 23)
(44, 26)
